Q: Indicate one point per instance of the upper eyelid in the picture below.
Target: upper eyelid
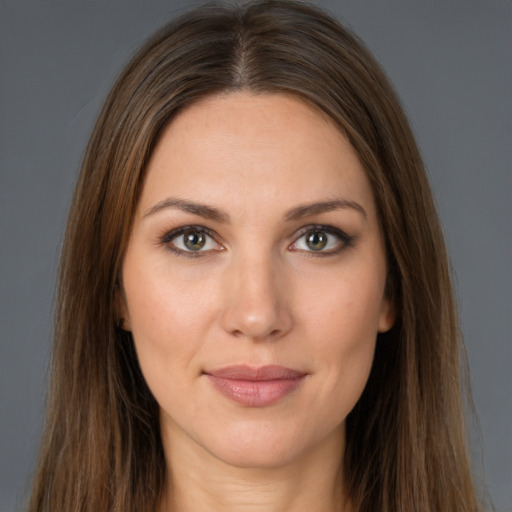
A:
(320, 227)
(298, 232)
(173, 233)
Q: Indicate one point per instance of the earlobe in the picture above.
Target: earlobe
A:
(387, 316)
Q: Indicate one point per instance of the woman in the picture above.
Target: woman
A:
(255, 308)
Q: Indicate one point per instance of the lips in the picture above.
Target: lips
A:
(255, 387)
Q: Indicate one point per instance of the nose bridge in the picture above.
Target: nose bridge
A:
(256, 304)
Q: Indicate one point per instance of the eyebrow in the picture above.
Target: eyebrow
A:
(323, 207)
(212, 213)
(203, 210)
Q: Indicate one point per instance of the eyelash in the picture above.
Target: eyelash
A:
(169, 236)
(346, 241)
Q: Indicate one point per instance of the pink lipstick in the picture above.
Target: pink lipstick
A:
(255, 387)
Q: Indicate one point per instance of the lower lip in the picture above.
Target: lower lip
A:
(256, 393)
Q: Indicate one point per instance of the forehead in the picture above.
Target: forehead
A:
(242, 148)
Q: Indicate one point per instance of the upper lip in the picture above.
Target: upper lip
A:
(261, 373)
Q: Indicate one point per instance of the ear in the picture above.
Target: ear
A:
(123, 315)
(387, 315)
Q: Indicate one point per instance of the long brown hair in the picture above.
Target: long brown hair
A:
(406, 447)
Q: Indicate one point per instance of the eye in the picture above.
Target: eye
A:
(323, 240)
(191, 241)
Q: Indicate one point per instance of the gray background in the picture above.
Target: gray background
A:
(451, 61)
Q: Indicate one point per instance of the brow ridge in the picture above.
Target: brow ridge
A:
(212, 213)
(323, 207)
(202, 210)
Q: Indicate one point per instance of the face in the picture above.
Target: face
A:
(254, 279)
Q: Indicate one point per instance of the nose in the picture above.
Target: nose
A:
(256, 300)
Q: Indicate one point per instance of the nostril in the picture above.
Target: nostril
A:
(258, 333)
(255, 304)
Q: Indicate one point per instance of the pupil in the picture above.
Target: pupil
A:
(317, 240)
(194, 240)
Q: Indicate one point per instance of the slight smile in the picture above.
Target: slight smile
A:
(255, 387)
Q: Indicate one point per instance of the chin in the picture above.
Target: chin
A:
(269, 446)
(257, 455)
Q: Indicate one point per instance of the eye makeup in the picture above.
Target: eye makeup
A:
(196, 241)
(316, 240)
(322, 241)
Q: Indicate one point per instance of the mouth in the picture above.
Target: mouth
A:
(255, 387)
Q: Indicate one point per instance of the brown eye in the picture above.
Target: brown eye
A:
(194, 240)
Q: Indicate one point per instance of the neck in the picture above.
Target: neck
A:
(200, 482)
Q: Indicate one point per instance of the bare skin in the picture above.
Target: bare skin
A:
(255, 244)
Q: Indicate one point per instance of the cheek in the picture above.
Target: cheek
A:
(343, 324)
(167, 316)
(346, 306)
